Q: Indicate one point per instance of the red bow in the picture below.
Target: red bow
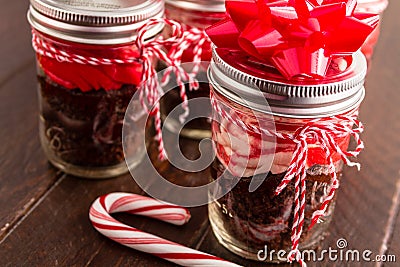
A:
(299, 37)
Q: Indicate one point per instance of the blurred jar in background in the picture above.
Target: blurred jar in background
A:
(195, 16)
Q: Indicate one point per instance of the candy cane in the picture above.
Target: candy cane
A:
(131, 237)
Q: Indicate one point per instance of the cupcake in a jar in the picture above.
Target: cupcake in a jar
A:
(287, 82)
(89, 68)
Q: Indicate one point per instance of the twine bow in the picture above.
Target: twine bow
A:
(150, 86)
(192, 38)
(179, 41)
(320, 131)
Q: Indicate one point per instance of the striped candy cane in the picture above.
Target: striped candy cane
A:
(134, 238)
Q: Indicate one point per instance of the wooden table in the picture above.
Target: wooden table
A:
(44, 213)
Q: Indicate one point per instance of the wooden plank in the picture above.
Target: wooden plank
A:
(73, 241)
(394, 249)
(58, 230)
(25, 174)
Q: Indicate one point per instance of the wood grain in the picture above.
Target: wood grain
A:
(391, 248)
(24, 170)
(44, 214)
(73, 241)
(65, 211)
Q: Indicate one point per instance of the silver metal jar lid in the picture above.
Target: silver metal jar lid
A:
(298, 99)
(200, 5)
(94, 22)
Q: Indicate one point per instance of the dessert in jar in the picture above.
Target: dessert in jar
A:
(286, 86)
(88, 70)
(377, 7)
(194, 16)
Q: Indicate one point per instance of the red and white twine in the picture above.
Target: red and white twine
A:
(44, 48)
(192, 37)
(179, 42)
(151, 89)
(321, 131)
(134, 238)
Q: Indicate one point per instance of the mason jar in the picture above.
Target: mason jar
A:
(194, 16)
(376, 7)
(260, 123)
(88, 70)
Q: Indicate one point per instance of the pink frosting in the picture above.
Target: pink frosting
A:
(246, 154)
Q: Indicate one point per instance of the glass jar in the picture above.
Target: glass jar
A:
(193, 15)
(88, 70)
(376, 7)
(255, 144)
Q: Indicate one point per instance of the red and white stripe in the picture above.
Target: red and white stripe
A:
(321, 131)
(134, 238)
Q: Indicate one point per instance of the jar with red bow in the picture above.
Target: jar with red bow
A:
(88, 69)
(286, 87)
(194, 53)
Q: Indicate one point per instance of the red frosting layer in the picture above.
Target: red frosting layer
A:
(88, 77)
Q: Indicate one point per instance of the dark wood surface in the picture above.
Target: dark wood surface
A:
(44, 213)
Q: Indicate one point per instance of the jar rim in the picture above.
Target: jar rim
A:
(217, 6)
(95, 23)
(288, 99)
